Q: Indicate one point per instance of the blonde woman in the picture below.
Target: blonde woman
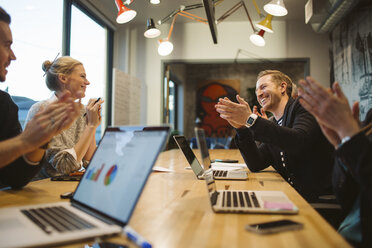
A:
(70, 150)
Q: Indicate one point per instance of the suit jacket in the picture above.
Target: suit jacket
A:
(298, 150)
(352, 181)
(18, 173)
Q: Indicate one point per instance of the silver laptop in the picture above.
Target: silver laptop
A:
(206, 161)
(104, 199)
(244, 201)
(199, 170)
(197, 167)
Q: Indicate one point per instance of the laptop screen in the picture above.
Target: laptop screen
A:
(119, 170)
(209, 180)
(189, 154)
(202, 144)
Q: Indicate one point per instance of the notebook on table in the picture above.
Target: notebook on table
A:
(104, 199)
(74, 176)
(198, 169)
(247, 201)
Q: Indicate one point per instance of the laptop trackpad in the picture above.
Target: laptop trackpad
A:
(277, 202)
(9, 223)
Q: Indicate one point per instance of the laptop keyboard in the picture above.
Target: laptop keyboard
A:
(59, 219)
(219, 173)
(237, 199)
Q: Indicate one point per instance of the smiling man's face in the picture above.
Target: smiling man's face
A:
(6, 52)
(269, 93)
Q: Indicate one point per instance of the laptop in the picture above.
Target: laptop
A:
(206, 161)
(245, 201)
(104, 199)
(198, 169)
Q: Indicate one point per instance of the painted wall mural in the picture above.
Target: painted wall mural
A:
(352, 57)
(209, 91)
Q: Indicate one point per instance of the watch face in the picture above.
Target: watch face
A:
(250, 121)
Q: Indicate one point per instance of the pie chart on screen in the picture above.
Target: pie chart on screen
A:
(110, 175)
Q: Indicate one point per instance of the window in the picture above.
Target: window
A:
(172, 108)
(172, 103)
(37, 28)
(34, 41)
(88, 45)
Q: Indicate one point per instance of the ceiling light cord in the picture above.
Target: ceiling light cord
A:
(171, 27)
(192, 17)
(249, 18)
(187, 8)
(193, 6)
(165, 19)
(257, 9)
(229, 12)
(232, 11)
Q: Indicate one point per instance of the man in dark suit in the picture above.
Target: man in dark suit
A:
(353, 164)
(20, 152)
(292, 142)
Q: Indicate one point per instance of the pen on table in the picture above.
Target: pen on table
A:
(136, 238)
(99, 98)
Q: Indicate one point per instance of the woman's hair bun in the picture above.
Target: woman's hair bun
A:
(46, 65)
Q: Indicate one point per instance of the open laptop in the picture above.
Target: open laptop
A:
(197, 168)
(104, 199)
(244, 201)
(206, 161)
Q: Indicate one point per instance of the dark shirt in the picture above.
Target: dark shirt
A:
(297, 149)
(352, 183)
(18, 173)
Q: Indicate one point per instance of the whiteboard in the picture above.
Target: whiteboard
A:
(126, 104)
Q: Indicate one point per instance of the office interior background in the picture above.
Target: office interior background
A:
(125, 68)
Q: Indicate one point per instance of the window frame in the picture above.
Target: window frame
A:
(66, 47)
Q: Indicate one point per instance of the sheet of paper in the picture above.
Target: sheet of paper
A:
(228, 166)
(225, 166)
(161, 169)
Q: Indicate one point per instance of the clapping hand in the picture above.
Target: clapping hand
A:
(331, 109)
(50, 121)
(235, 113)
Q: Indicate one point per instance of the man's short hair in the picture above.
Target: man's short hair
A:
(278, 77)
(4, 17)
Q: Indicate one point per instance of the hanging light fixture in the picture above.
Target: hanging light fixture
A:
(258, 39)
(165, 47)
(125, 14)
(276, 8)
(151, 31)
(265, 24)
(155, 1)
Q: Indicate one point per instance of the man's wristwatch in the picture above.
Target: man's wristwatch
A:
(251, 120)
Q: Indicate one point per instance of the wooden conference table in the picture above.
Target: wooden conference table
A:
(174, 210)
